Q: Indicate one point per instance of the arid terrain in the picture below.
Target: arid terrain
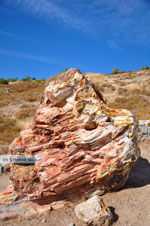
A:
(129, 90)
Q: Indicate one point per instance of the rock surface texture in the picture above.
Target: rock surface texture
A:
(82, 144)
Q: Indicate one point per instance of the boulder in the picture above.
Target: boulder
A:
(80, 143)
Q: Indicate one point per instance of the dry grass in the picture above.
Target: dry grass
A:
(25, 123)
(18, 102)
(128, 90)
(17, 92)
(3, 148)
(25, 113)
(8, 129)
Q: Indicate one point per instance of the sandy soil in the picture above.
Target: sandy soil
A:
(131, 205)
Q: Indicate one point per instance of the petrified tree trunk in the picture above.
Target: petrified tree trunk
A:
(81, 142)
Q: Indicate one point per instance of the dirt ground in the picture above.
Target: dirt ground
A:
(131, 205)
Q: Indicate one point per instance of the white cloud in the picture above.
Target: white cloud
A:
(50, 9)
(123, 19)
(9, 34)
(28, 56)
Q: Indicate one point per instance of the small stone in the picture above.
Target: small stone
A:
(93, 211)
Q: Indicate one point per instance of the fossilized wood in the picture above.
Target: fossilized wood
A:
(82, 143)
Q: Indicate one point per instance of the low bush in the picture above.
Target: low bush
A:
(12, 79)
(26, 78)
(145, 68)
(3, 81)
(116, 71)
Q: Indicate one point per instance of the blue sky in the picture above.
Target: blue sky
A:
(42, 37)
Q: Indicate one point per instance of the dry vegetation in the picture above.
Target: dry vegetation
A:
(129, 90)
(18, 100)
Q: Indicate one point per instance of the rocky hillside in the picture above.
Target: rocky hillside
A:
(18, 100)
(129, 90)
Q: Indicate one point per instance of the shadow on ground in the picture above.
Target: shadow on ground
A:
(139, 175)
(114, 214)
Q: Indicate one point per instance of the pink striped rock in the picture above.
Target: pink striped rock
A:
(82, 144)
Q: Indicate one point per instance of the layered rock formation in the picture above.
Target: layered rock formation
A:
(81, 143)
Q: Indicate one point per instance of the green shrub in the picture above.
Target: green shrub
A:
(26, 78)
(115, 71)
(3, 81)
(145, 68)
(12, 79)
